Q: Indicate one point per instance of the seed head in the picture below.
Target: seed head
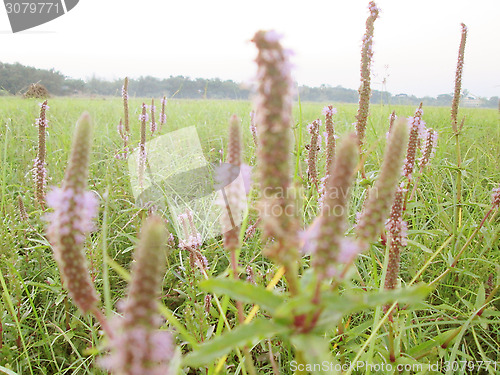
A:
(380, 200)
(273, 117)
(138, 348)
(329, 243)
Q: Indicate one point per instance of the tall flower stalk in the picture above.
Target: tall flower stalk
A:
(314, 147)
(71, 220)
(365, 89)
(152, 125)
(417, 127)
(163, 114)
(253, 127)
(39, 164)
(381, 198)
(428, 148)
(273, 117)
(329, 111)
(138, 347)
(457, 129)
(192, 242)
(232, 193)
(141, 159)
(396, 228)
(331, 246)
(124, 136)
(232, 201)
(125, 106)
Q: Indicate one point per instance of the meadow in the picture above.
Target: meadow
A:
(43, 333)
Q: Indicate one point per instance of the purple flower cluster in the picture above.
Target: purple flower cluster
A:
(64, 202)
(152, 124)
(39, 164)
(125, 105)
(163, 115)
(396, 228)
(137, 346)
(366, 60)
(417, 128)
(458, 82)
(138, 351)
(124, 93)
(253, 127)
(124, 136)
(314, 147)
(428, 147)
(274, 119)
(71, 220)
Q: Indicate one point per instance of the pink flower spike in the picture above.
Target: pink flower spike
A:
(329, 111)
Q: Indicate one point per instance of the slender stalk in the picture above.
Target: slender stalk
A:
(457, 129)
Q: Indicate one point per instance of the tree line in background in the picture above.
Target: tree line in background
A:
(16, 78)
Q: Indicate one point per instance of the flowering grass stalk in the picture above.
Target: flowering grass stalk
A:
(416, 125)
(232, 195)
(331, 247)
(192, 242)
(392, 118)
(458, 82)
(396, 228)
(457, 129)
(232, 201)
(163, 114)
(417, 128)
(39, 164)
(365, 89)
(153, 125)
(141, 160)
(313, 147)
(138, 347)
(428, 148)
(125, 106)
(124, 136)
(71, 220)
(273, 116)
(253, 128)
(329, 111)
(381, 198)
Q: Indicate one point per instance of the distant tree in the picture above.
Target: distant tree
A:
(16, 79)
(493, 102)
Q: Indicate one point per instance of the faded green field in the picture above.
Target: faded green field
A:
(49, 336)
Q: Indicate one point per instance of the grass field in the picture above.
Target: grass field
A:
(43, 333)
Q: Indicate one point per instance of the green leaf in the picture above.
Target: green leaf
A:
(244, 292)
(481, 297)
(5, 370)
(315, 350)
(420, 246)
(258, 330)
(336, 305)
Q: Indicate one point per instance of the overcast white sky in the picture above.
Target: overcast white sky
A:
(416, 40)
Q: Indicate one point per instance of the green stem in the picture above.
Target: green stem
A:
(458, 203)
